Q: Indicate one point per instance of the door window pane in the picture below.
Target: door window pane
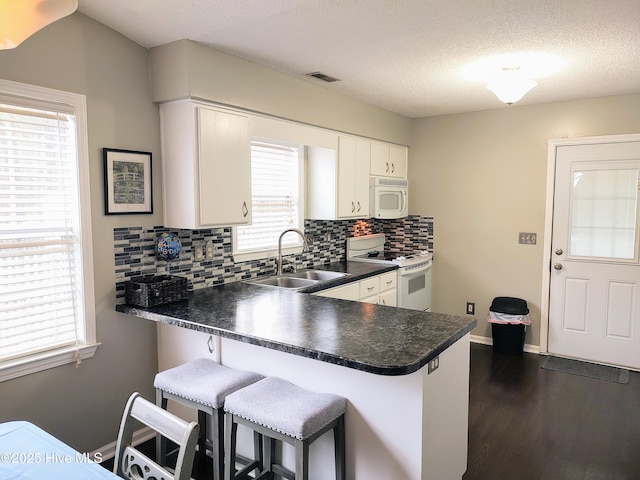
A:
(604, 213)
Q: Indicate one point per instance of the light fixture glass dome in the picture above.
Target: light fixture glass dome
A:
(510, 85)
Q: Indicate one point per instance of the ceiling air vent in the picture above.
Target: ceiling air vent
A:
(323, 77)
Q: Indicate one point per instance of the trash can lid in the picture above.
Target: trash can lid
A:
(511, 305)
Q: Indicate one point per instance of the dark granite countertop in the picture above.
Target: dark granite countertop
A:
(373, 338)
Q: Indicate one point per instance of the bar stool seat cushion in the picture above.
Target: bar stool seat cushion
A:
(284, 407)
(204, 381)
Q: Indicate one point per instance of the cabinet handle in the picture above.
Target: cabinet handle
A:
(393, 167)
(387, 170)
(245, 210)
(353, 207)
(210, 344)
(358, 206)
(369, 288)
(389, 282)
(384, 302)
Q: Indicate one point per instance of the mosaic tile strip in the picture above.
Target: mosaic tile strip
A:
(134, 249)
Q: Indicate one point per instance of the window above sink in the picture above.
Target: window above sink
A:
(277, 180)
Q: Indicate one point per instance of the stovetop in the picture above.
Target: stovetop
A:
(370, 248)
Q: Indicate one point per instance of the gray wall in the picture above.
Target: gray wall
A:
(482, 177)
(83, 405)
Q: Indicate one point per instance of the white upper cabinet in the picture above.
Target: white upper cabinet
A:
(206, 163)
(353, 178)
(388, 160)
(338, 181)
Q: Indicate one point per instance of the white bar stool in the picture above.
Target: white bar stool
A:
(282, 411)
(203, 385)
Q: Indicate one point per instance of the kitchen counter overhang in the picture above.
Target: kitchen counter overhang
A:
(372, 338)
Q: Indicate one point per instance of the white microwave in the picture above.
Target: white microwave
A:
(389, 197)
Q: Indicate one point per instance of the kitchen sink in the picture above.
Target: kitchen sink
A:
(320, 275)
(298, 280)
(284, 282)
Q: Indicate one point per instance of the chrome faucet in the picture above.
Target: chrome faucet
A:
(305, 248)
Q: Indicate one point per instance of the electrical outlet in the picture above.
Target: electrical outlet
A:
(327, 237)
(198, 253)
(209, 250)
(434, 363)
(471, 308)
(527, 238)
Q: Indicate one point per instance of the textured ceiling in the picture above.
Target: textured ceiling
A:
(403, 55)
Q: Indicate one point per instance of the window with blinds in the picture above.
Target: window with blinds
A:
(42, 281)
(276, 193)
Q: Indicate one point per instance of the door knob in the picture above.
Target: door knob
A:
(559, 251)
(557, 266)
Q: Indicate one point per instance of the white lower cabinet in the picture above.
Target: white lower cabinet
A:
(350, 291)
(380, 289)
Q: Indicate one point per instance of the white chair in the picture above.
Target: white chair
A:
(132, 464)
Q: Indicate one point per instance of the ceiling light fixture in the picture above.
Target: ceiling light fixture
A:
(511, 76)
(510, 85)
(19, 19)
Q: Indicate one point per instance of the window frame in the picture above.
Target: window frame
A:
(37, 97)
(271, 251)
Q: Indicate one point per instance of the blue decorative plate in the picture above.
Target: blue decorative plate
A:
(168, 246)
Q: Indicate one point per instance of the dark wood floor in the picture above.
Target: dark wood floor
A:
(527, 423)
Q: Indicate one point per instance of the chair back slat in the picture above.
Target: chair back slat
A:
(131, 464)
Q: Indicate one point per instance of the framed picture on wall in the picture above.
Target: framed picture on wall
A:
(127, 182)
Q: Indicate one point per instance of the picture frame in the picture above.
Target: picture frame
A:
(128, 182)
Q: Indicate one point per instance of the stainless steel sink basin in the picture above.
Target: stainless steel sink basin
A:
(284, 282)
(320, 275)
(298, 280)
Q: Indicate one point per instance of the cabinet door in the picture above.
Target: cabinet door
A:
(351, 291)
(398, 160)
(389, 298)
(346, 177)
(362, 166)
(380, 166)
(375, 299)
(353, 178)
(224, 157)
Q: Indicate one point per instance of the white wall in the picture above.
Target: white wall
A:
(482, 176)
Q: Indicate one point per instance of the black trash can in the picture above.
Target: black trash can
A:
(509, 318)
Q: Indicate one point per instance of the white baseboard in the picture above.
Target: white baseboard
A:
(109, 451)
(489, 341)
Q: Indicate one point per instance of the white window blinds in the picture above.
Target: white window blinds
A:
(275, 191)
(41, 288)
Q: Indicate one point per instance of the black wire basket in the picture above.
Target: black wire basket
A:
(152, 290)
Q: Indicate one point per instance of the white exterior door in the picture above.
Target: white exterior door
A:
(594, 299)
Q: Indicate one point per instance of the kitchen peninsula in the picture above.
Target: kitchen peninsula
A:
(404, 373)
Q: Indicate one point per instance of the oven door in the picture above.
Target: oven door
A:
(414, 291)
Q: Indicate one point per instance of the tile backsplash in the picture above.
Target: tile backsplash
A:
(134, 249)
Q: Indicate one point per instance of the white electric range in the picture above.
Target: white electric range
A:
(414, 268)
